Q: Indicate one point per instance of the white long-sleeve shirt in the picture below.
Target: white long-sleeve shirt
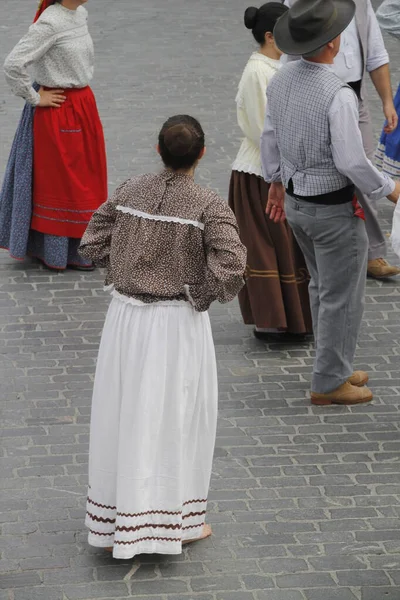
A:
(348, 64)
(346, 145)
(59, 49)
(251, 103)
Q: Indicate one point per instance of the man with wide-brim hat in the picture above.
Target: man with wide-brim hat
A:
(313, 156)
(362, 52)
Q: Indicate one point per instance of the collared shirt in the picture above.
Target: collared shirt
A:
(388, 15)
(349, 61)
(347, 147)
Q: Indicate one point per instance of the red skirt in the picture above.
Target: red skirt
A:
(69, 165)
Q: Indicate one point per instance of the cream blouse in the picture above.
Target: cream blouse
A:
(251, 101)
(59, 49)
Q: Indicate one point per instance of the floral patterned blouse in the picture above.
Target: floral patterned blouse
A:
(163, 237)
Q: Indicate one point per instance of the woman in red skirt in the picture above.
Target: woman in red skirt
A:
(56, 176)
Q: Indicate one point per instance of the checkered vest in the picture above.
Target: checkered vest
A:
(299, 97)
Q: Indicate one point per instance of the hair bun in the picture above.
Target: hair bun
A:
(250, 17)
(179, 140)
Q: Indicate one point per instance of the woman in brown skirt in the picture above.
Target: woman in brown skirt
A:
(275, 298)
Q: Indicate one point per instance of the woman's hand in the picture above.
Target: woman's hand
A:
(51, 98)
(391, 117)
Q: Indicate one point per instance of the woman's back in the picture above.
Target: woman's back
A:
(251, 103)
(163, 226)
(163, 237)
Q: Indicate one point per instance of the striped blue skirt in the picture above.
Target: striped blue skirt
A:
(388, 152)
(16, 208)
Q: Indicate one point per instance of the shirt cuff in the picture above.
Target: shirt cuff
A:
(34, 97)
(276, 178)
(385, 190)
(377, 61)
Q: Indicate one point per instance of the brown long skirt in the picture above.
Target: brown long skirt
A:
(276, 292)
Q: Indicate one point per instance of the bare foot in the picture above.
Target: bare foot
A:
(207, 532)
(109, 549)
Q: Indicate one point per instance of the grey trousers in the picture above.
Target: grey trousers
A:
(335, 245)
(377, 241)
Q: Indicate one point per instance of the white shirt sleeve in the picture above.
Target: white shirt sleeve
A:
(388, 15)
(30, 48)
(253, 101)
(270, 155)
(348, 150)
(377, 55)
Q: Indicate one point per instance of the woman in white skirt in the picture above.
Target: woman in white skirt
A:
(171, 248)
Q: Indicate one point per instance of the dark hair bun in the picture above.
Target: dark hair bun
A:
(250, 17)
(179, 140)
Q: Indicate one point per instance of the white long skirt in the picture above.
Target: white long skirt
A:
(153, 428)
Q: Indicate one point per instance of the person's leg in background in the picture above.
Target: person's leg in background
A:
(378, 267)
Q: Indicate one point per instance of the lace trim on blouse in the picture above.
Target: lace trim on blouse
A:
(164, 218)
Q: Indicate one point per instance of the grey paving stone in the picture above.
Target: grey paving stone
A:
(188, 596)
(96, 590)
(39, 593)
(362, 578)
(372, 593)
(329, 594)
(15, 580)
(233, 596)
(214, 583)
(283, 565)
(338, 563)
(305, 580)
(280, 595)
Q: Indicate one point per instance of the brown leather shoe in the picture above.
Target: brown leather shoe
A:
(381, 269)
(359, 378)
(345, 394)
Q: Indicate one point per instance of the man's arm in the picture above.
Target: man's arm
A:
(270, 156)
(348, 151)
(270, 161)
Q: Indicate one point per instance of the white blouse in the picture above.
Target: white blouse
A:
(59, 49)
(251, 101)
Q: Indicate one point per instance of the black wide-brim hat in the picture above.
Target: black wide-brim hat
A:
(310, 24)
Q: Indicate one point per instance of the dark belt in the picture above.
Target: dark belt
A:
(341, 196)
(356, 86)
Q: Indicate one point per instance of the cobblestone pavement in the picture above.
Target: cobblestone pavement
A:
(305, 502)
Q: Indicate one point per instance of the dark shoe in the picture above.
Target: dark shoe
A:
(346, 394)
(284, 337)
(81, 268)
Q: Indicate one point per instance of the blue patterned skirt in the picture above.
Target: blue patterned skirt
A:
(388, 152)
(16, 208)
